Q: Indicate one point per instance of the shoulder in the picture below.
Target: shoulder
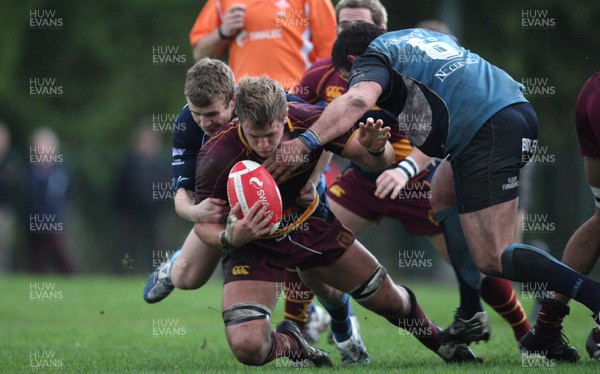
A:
(302, 116)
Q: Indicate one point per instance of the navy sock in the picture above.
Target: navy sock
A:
(462, 262)
(340, 313)
(525, 263)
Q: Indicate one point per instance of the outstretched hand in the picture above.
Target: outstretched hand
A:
(372, 135)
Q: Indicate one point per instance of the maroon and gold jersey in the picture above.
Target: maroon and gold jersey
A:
(322, 84)
(218, 156)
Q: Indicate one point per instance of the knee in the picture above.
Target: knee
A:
(442, 197)
(249, 349)
(488, 264)
(185, 278)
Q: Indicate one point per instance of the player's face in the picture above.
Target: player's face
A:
(212, 117)
(264, 141)
(348, 16)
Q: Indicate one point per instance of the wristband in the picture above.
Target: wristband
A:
(311, 140)
(224, 242)
(222, 36)
(376, 154)
(408, 167)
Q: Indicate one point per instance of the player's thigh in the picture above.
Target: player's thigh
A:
(442, 187)
(349, 219)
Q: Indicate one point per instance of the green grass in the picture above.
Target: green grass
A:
(102, 324)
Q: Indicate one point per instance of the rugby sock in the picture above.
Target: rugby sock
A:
(172, 261)
(525, 263)
(419, 325)
(499, 294)
(282, 345)
(298, 298)
(340, 313)
(462, 262)
(551, 316)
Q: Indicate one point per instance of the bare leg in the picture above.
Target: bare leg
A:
(195, 264)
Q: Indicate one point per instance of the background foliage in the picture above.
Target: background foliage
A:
(102, 56)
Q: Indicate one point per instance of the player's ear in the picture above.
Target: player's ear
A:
(232, 101)
(351, 58)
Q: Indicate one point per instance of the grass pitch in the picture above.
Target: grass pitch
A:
(102, 325)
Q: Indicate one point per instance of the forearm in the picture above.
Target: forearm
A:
(210, 233)
(370, 161)
(209, 46)
(184, 203)
(320, 167)
(340, 116)
(413, 164)
(420, 158)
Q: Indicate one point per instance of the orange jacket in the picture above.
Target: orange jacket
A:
(281, 38)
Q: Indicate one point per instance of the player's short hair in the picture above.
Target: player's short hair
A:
(260, 101)
(208, 81)
(353, 40)
(378, 11)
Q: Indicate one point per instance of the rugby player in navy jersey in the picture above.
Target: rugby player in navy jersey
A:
(209, 91)
(478, 118)
(312, 240)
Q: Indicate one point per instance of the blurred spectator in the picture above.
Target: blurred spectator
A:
(277, 38)
(143, 194)
(10, 171)
(46, 184)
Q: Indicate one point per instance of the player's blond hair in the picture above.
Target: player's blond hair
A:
(209, 81)
(260, 101)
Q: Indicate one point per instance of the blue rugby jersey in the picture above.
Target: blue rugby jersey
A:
(440, 92)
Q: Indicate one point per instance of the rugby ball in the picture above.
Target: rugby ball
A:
(250, 182)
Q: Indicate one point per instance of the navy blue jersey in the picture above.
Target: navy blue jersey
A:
(186, 144)
(440, 92)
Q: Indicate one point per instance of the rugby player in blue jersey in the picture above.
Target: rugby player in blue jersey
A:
(479, 121)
